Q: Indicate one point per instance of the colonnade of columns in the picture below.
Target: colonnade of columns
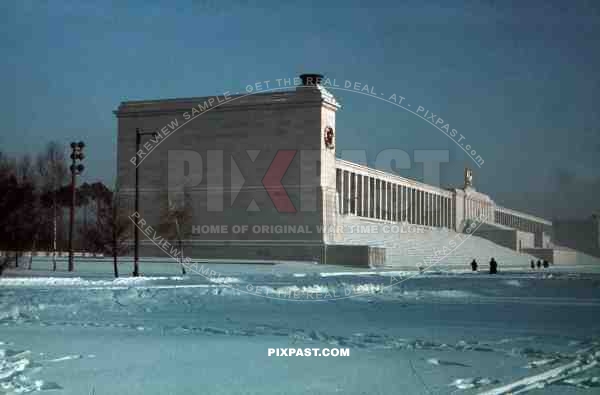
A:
(387, 199)
(521, 221)
(373, 194)
(479, 209)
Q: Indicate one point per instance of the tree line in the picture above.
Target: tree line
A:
(35, 197)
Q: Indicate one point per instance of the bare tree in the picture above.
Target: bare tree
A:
(31, 216)
(112, 230)
(175, 221)
(52, 169)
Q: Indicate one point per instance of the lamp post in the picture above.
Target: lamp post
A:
(76, 155)
(138, 139)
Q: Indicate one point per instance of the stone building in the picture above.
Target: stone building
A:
(260, 179)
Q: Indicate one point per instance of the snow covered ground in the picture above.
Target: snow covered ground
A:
(433, 333)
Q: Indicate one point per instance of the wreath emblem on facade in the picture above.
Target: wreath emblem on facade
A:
(329, 137)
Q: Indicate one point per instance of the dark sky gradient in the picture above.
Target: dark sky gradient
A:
(520, 82)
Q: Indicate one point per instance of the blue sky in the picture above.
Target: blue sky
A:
(521, 83)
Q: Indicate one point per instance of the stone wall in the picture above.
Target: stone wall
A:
(215, 165)
(524, 240)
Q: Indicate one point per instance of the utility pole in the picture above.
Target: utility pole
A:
(76, 154)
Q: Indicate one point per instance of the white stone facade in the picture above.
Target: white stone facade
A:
(214, 154)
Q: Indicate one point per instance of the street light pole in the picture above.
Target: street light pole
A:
(76, 154)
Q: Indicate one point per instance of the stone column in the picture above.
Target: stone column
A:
(383, 210)
(365, 196)
(413, 207)
(398, 189)
(380, 199)
(422, 207)
(417, 207)
(369, 200)
(442, 211)
(439, 210)
(420, 203)
(415, 204)
(342, 187)
(376, 197)
(392, 201)
(355, 193)
(424, 197)
(452, 212)
(447, 212)
(425, 208)
(429, 209)
(444, 217)
(432, 210)
(399, 202)
(396, 202)
(388, 201)
(383, 213)
(385, 200)
(436, 210)
(424, 194)
(362, 194)
(406, 202)
(411, 203)
(348, 189)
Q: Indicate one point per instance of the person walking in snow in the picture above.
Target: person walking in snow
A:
(532, 264)
(493, 266)
(539, 264)
(474, 265)
(546, 264)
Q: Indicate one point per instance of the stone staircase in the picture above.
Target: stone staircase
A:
(409, 247)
